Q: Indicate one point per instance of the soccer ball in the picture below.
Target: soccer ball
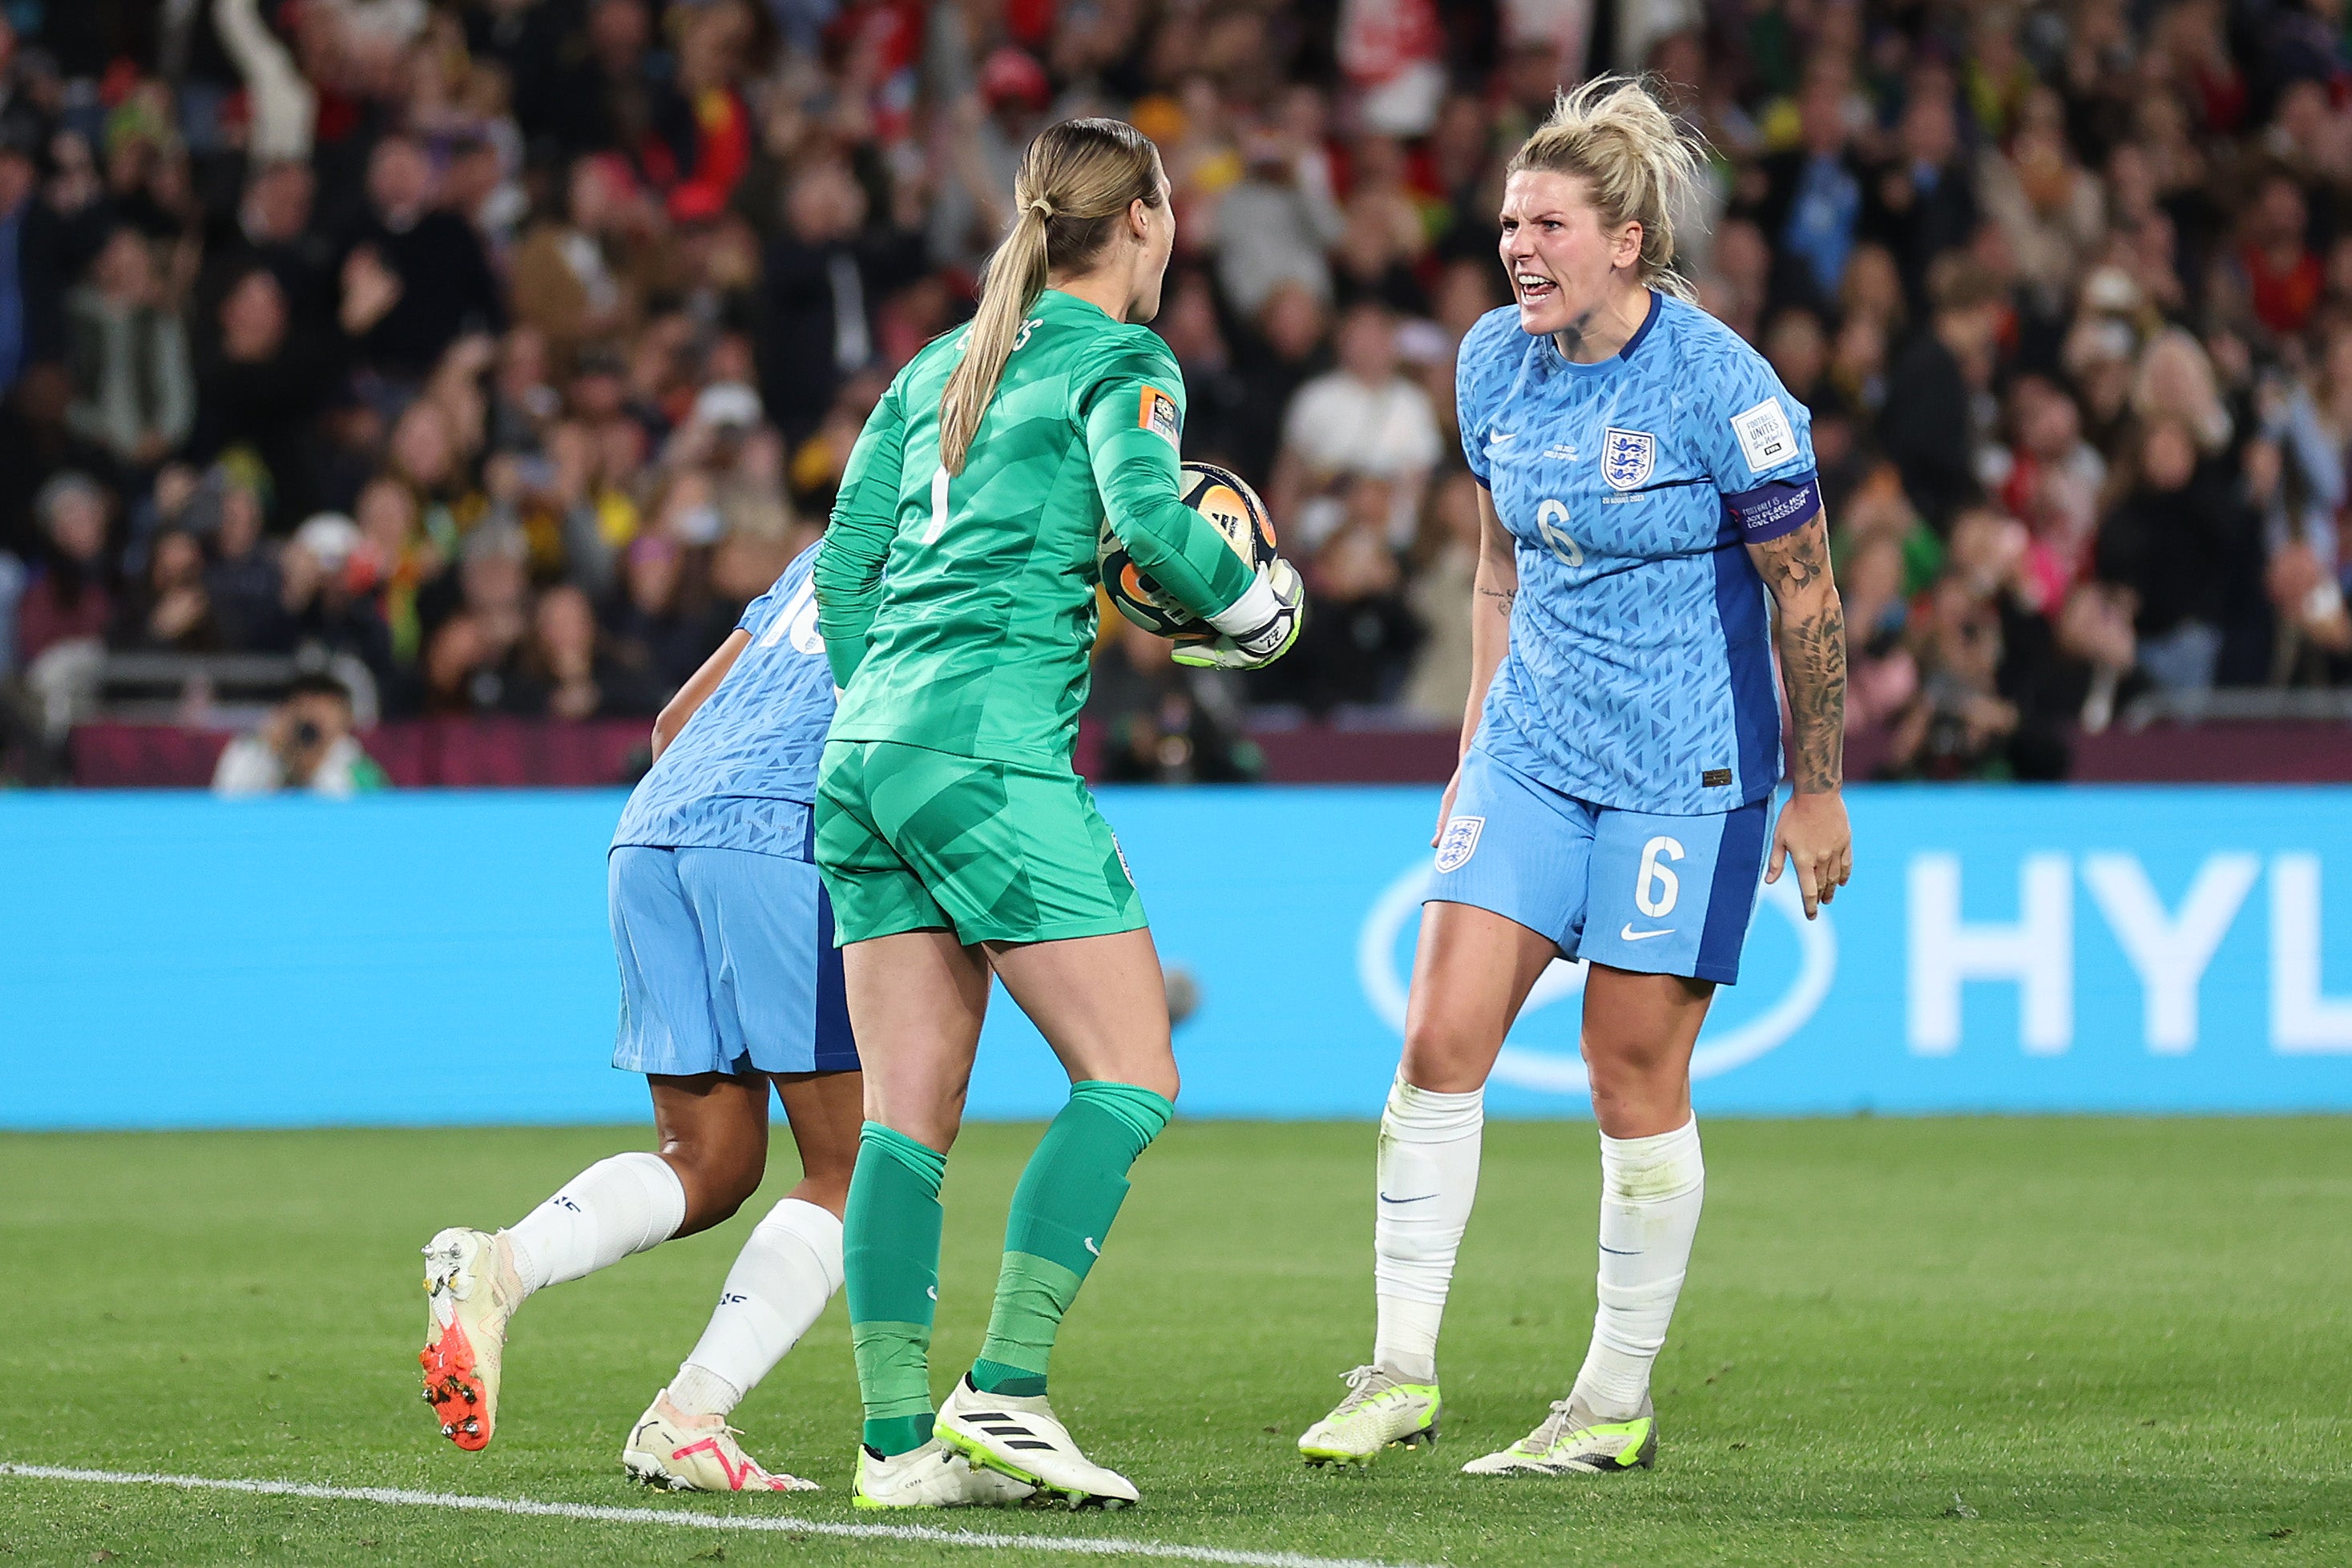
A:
(1221, 496)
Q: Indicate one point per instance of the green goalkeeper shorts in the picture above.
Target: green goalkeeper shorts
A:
(909, 839)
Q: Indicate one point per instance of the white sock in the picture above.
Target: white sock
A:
(1428, 1179)
(613, 1208)
(1651, 1189)
(782, 1279)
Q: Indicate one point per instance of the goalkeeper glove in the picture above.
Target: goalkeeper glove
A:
(1254, 630)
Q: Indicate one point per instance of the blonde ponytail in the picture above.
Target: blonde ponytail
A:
(1077, 181)
(1637, 164)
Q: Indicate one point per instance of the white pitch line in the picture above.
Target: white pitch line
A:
(1090, 1546)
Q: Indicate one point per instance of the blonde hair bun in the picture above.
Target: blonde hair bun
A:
(1637, 162)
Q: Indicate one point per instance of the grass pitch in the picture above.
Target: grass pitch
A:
(1947, 1342)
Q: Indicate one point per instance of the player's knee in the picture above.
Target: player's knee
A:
(829, 1191)
(718, 1181)
(1445, 1054)
(1163, 1081)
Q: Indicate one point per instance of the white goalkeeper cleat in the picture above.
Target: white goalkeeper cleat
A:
(933, 1476)
(470, 1289)
(669, 1449)
(1021, 1438)
(1572, 1441)
(1379, 1411)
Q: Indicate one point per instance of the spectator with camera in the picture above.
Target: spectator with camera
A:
(305, 745)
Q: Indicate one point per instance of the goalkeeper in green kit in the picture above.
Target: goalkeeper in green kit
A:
(956, 596)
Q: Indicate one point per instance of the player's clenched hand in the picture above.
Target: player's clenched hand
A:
(1812, 835)
(1257, 629)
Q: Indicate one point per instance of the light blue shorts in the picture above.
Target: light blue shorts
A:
(727, 964)
(1633, 890)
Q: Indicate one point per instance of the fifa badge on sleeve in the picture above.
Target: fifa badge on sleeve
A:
(1765, 438)
(1459, 842)
(1160, 416)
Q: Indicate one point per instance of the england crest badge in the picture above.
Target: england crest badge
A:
(1627, 456)
(1459, 842)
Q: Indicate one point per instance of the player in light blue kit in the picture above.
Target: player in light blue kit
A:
(730, 983)
(1654, 530)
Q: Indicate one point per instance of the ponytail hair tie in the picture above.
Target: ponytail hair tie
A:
(1043, 208)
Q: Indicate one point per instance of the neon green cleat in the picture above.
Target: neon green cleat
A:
(1378, 1413)
(933, 1476)
(1572, 1441)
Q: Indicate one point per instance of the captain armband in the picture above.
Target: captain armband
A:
(1774, 509)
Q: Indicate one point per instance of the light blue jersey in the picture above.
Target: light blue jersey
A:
(1640, 674)
(743, 773)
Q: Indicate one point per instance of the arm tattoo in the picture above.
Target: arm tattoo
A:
(1811, 635)
(1503, 599)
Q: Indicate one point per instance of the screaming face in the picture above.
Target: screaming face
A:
(1562, 262)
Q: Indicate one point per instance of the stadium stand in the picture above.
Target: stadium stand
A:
(492, 355)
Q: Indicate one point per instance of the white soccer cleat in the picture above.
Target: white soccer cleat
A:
(1021, 1438)
(471, 1289)
(1379, 1411)
(1572, 1441)
(669, 1449)
(933, 1476)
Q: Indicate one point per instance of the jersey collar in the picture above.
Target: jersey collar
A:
(1054, 299)
(1561, 362)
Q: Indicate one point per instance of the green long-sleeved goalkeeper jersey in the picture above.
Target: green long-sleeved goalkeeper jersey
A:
(959, 610)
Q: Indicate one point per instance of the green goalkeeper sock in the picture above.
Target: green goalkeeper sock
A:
(1061, 1215)
(891, 1263)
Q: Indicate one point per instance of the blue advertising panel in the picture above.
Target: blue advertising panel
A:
(174, 961)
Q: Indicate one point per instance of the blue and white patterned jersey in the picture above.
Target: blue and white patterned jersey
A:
(741, 775)
(1640, 673)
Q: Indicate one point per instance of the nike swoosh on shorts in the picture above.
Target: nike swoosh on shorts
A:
(1630, 935)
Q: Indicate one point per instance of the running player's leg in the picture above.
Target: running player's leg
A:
(789, 1268)
(776, 989)
(791, 1265)
(713, 1135)
(712, 1132)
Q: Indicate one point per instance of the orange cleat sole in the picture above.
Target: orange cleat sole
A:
(454, 1389)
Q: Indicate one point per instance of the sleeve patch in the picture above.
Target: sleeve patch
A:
(1765, 437)
(1160, 417)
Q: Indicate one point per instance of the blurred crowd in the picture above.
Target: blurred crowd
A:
(494, 354)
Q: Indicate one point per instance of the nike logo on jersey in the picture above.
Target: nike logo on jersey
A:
(932, 1291)
(1630, 935)
(1092, 1248)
